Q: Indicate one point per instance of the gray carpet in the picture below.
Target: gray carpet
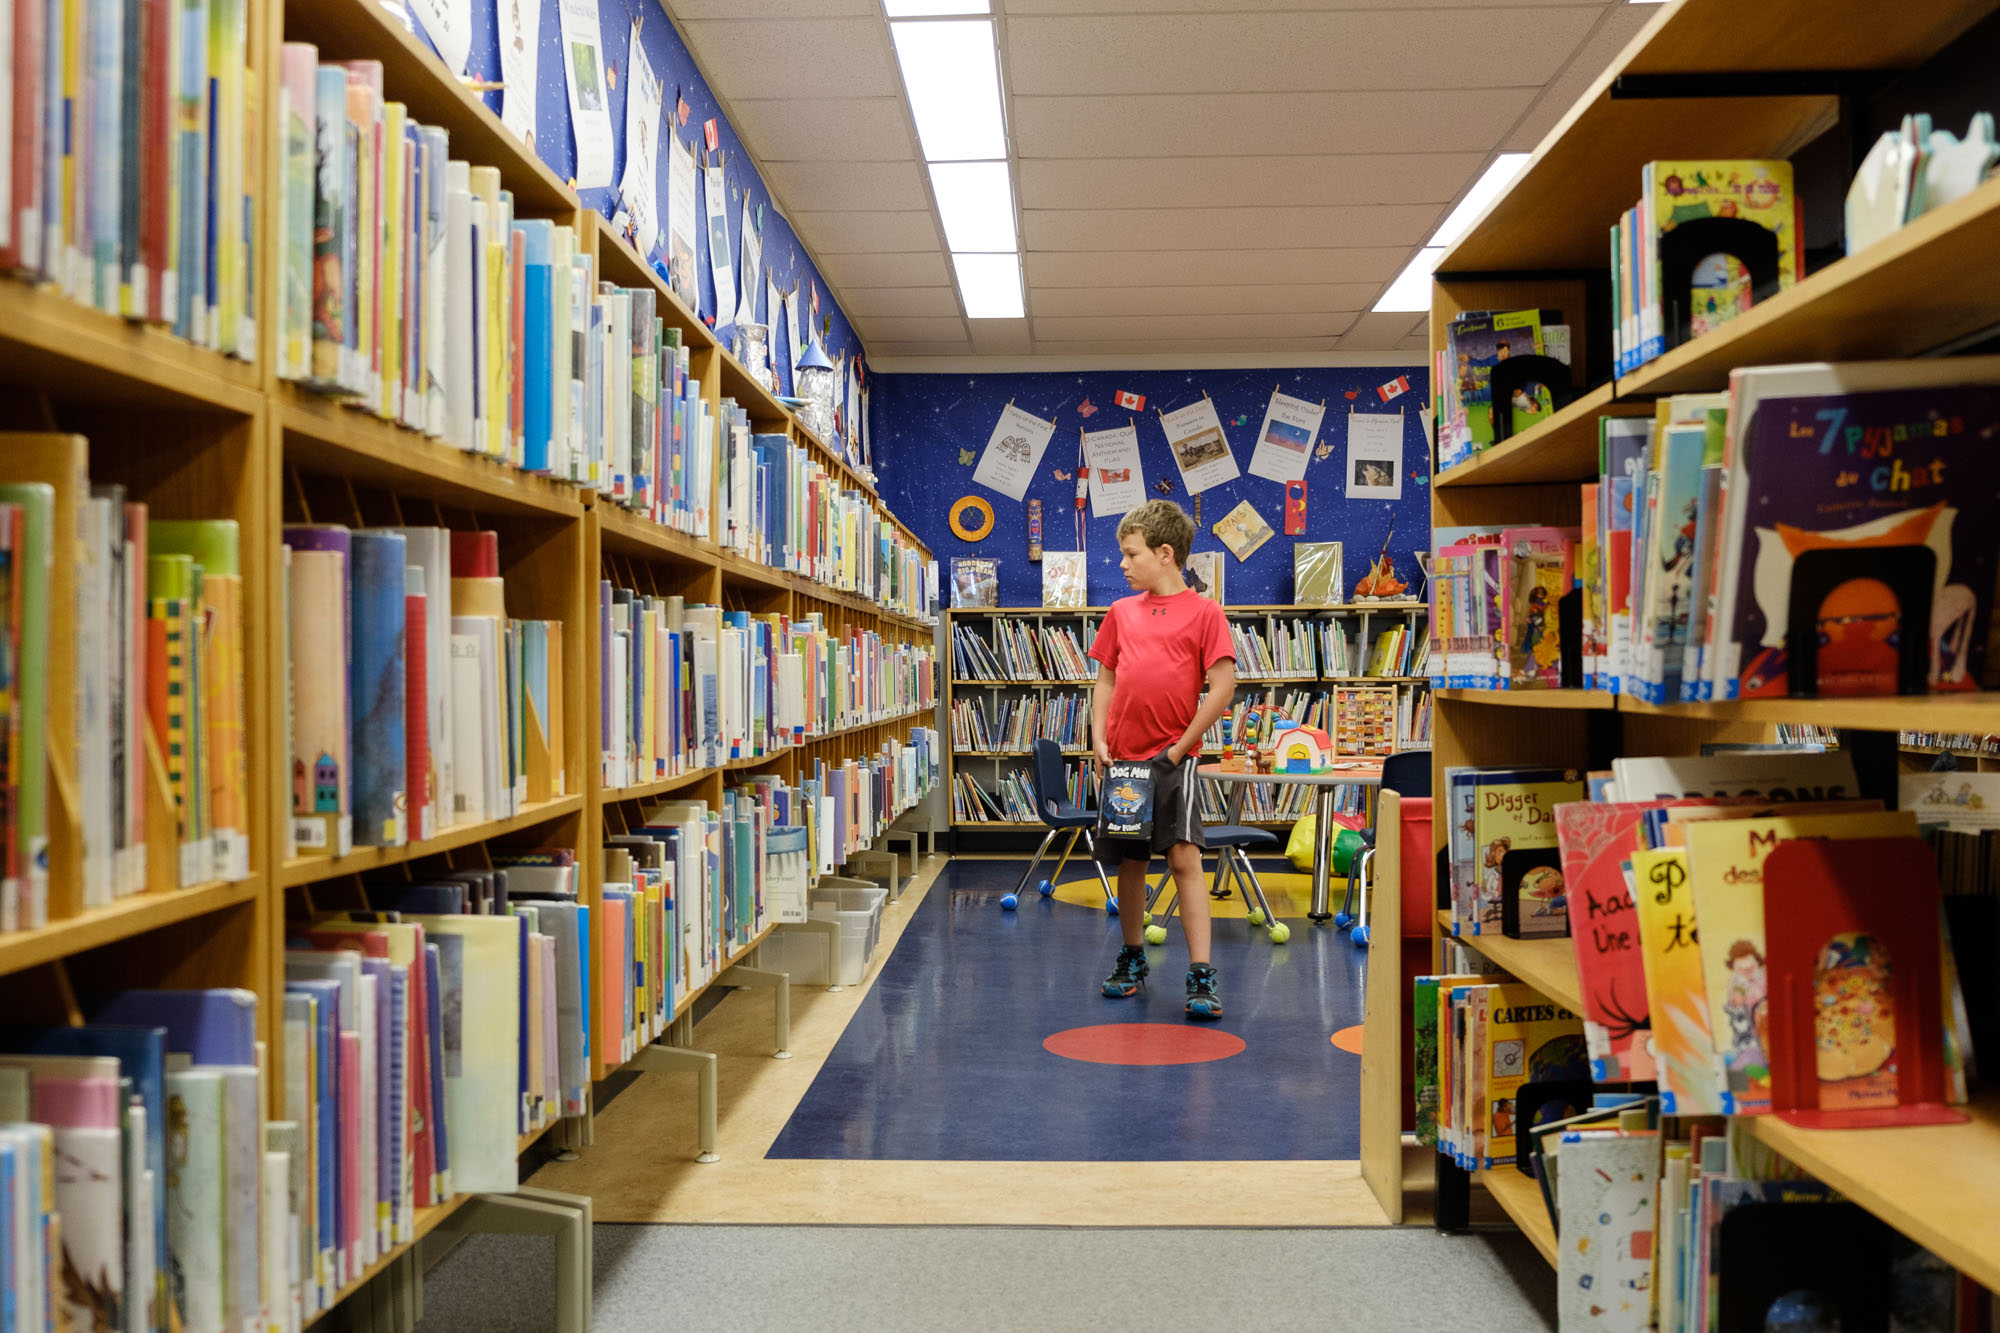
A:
(717, 1279)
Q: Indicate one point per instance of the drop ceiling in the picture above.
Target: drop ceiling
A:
(1220, 179)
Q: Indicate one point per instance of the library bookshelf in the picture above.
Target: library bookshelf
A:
(195, 434)
(1696, 84)
(1357, 623)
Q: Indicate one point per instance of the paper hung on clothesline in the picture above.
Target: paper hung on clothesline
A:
(752, 246)
(715, 196)
(853, 414)
(794, 349)
(1117, 481)
(589, 102)
(1285, 440)
(867, 451)
(1374, 456)
(681, 221)
(1013, 452)
(781, 355)
(520, 64)
(1200, 449)
(448, 23)
(640, 186)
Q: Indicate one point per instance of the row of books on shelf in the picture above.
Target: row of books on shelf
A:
(1286, 650)
(1020, 651)
(149, 615)
(1013, 724)
(132, 180)
(783, 508)
(1676, 1223)
(694, 686)
(1733, 917)
(416, 702)
(1478, 345)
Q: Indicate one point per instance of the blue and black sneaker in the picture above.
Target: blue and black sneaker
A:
(1127, 973)
(1204, 1001)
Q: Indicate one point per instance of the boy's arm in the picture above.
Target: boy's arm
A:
(1100, 710)
(1221, 693)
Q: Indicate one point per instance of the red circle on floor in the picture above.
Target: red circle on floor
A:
(1143, 1044)
(1349, 1039)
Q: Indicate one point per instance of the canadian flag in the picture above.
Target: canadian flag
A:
(1135, 401)
(1394, 388)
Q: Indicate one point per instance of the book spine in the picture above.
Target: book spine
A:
(376, 685)
(196, 1199)
(421, 811)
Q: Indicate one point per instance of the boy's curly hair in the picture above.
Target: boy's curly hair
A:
(1161, 523)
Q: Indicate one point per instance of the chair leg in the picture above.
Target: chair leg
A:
(1225, 874)
(1276, 929)
(1367, 859)
(1110, 896)
(1068, 847)
(1040, 852)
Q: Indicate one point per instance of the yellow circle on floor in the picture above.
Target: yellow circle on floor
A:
(1290, 894)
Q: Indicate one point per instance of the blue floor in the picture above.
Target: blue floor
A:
(944, 1060)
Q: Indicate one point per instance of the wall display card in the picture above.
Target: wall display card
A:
(854, 403)
(1243, 530)
(1200, 449)
(867, 452)
(753, 261)
(1117, 479)
(589, 118)
(1285, 440)
(681, 221)
(715, 199)
(774, 315)
(520, 59)
(1013, 452)
(448, 23)
(794, 349)
(639, 189)
(1374, 457)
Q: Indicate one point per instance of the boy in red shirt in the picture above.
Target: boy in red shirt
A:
(1154, 651)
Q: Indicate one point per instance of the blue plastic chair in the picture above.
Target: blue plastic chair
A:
(1050, 786)
(1231, 844)
(1406, 774)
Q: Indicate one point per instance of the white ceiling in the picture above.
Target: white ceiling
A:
(1194, 178)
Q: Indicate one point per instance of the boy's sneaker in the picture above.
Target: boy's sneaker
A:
(1129, 971)
(1204, 1001)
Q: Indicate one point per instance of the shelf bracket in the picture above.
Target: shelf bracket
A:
(658, 1059)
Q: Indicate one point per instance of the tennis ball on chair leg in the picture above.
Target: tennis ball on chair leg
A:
(1156, 934)
(1009, 903)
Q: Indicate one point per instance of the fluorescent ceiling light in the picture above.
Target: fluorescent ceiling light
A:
(952, 74)
(990, 285)
(920, 9)
(1484, 191)
(1411, 291)
(976, 202)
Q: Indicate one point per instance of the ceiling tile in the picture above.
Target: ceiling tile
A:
(877, 350)
(1000, 337)
(926, 328)
(1149, 328)
(1263, 228)
(825, 129)
(688, 10)
(846, 187)
(899, 301)
(1217, 53)
(1175, 125)
(1619, 25)
(866, 233)
(917, 269)
(796, 58)
(1416, 342)
(1016, 7)
(1170, 182)
(1197, 348)
(1196, 268)
(1268, 299)
(1373, 332)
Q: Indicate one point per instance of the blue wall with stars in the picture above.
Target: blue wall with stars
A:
(784, 258)
(929, 430)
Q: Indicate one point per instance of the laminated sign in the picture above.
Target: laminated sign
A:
(1127, 809)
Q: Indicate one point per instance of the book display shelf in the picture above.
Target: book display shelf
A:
(193, 434)
(1292, 646)
(1695, 84)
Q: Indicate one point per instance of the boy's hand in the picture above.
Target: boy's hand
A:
(1102, 752)
(1174, 754)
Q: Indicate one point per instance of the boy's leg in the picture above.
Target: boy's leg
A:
(1132, 902)
(1184, 859)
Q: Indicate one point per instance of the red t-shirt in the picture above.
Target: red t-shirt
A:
(1161, 649)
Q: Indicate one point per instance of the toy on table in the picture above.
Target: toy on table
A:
(1249, 750)
(1300, 749)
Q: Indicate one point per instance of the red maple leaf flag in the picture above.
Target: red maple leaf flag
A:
(1135, 401)
(1395, 388)
(709, 133)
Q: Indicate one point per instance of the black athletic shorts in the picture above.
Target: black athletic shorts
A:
(1176, 815)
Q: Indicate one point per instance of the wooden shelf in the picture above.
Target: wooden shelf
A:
(1520, 1197)
(1921, 287)
(1547, 965)
(1301, 608)
(1935, 1184)
(123, 919)
(1002, 684)
(1595, 700)
(50, 342)
(312, 869)
(1562, 448)
(426, 1221)
(1972, 711)
(628, 533)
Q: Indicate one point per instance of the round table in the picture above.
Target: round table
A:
(1363, 772)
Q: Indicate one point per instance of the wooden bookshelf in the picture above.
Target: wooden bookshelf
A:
(1547, 965)
(1593, 700)
(1562, 448)
(1520, 1197)
(137, 915)
(309, 869)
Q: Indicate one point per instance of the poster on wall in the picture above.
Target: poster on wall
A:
(640, 188)
(1013, 452)
(781, 351)
(753, 260)
(715, 194)
(448, 23)
(1285, 440)
(1374, 457)
(520, 59)
(589, 116)
(1117, 480)
(796, 348)
(1200, 449)
(681, 221)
